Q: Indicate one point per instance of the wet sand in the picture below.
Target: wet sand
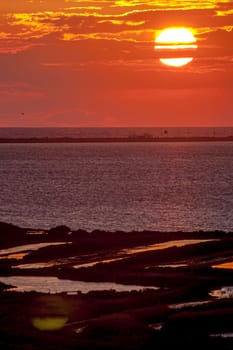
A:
(109, 290)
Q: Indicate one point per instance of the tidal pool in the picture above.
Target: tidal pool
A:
(164, 245)
(94, 263)
(227, 265)
(40, 265)
(125, 253)
(12, 253)
(188, 304)
(222, 335)
(36, 232)
(15, 256)
(222, 293)
(55, 285)
(172, 266)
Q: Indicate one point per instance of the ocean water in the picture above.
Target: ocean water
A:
(118, 186)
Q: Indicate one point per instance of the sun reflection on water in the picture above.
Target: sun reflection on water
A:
(227, 265)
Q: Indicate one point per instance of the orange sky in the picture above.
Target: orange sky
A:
(93, 63)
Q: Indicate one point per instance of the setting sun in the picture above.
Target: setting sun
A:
(176, 62)
(172, 40)
(177, 36)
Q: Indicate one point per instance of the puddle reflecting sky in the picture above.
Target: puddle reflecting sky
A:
(164, 245)
(172, 266)
(19, 252)
(29, 247)
(17, 256)
(222, 335)
(36, 232)
(40, 265)
(124, 253)
(94, 263)
(227, 265)
(55, 285)
(188, 304)
(222, 293)
(13, 253)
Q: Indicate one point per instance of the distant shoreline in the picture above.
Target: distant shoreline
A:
(129, 139)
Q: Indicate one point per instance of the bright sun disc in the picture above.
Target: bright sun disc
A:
(173, 40)
(175, 36)
(176, 62)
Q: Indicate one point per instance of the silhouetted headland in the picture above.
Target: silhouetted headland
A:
(136, 138)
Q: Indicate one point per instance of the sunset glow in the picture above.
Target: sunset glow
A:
(116, 151)
(101, 63)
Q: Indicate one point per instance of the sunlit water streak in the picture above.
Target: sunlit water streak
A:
(226, 265)
(222, 293)
(13, 252)
(55, 285)
(117, 256)
(164, 245)
(222, 335)
(15, 256)
(38, 265)
(169, 266)
(125, 253)
(191, 304)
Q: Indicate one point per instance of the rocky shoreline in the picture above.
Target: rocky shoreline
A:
(177, 289)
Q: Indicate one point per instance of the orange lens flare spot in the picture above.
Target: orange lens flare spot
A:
(49, 323)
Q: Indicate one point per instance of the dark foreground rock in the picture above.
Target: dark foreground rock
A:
(180, 306)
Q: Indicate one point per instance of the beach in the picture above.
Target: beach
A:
(63, 289)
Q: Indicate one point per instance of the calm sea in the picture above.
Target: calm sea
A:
(117, 186)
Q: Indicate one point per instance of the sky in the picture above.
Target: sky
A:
(72, 63)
